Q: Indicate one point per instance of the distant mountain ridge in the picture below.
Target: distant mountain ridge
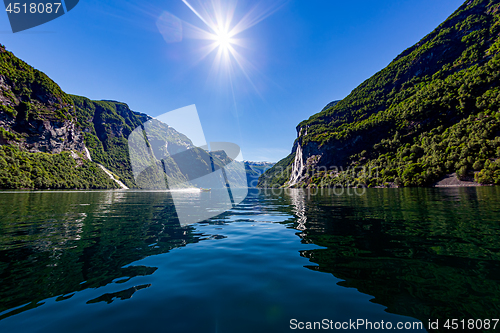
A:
(254, 170)
(433, 111)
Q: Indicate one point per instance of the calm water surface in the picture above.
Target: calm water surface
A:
(120, 262)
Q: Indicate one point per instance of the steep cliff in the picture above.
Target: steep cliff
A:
(41, 143)
(106, 126)
(35, 114)
(49, 139)
(432, 111)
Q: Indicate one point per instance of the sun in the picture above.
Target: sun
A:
(223, 34)
(223, 40)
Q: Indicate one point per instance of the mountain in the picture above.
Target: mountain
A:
(433, 111)
(161, 157)
(41, 144)
(50, 139)
(254, 170)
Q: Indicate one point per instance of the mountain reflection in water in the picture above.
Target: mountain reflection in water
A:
(59, 243)
(423, 253)
(95, 261)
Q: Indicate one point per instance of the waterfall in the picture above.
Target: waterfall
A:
(297, 167)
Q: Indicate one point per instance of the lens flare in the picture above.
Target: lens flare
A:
(222, 30)
(170, 27)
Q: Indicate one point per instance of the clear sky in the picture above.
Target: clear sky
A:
(291, 57)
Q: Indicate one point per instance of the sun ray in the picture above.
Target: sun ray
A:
(195, 12)
(239, 59)
(256, 15)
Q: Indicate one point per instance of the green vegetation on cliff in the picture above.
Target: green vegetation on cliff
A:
(29, 93)
(432, 111)
(22, 170)
(106, 126)
(50, 139)
(41, 128)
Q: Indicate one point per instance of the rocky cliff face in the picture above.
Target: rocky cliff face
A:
(312, 155)
(35, 114)
(42, 135)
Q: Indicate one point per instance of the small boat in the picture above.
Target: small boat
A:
(205, 189)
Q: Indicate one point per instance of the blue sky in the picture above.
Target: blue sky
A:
(297, 57)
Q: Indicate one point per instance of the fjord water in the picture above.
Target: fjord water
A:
(120, 261)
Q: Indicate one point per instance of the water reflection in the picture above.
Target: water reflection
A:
(421, 253)
(56, 244)
(424, 253)
(123, 295)
(299, 207)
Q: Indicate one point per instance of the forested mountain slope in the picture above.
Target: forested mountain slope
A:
(41, 143)
(50, 139)
(434, 110)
